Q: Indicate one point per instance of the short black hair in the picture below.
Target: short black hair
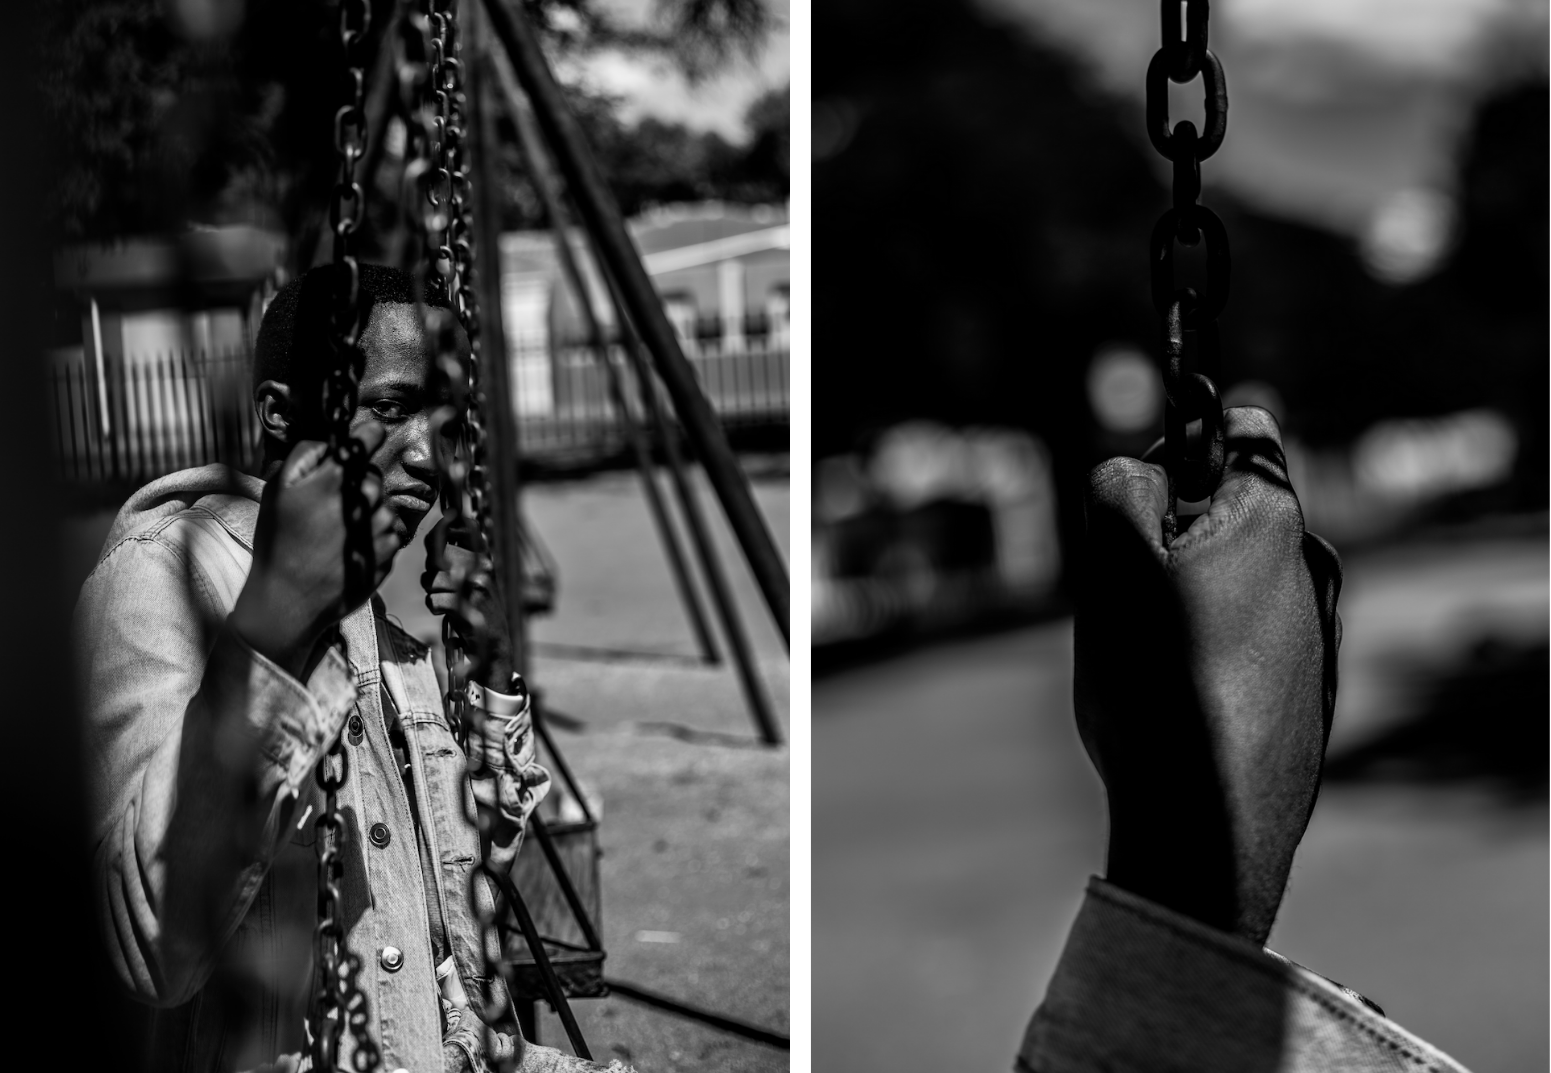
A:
(293, 338)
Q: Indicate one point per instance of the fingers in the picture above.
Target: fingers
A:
(1254, 463)
(1255, 491)
(305, 459)
(1130, 494)
(1325, 571)
(1325, 568)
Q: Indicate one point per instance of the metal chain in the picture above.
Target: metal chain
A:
(1193, 419)
(340, 1003)
(436, 189)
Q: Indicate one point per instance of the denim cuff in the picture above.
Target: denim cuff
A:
(1140, 987)
(292, 723)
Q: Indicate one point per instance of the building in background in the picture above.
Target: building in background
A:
(724, 275)
(160, 376)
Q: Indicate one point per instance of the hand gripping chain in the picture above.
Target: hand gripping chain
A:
(339, 1002)
(1193, 421)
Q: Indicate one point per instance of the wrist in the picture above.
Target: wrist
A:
(267, 622)
(500, 672)
(506, 703)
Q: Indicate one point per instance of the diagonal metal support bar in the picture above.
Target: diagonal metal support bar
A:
(544, 180)
(689, 504)
(563, 879)
(601, 215)
(535, 941)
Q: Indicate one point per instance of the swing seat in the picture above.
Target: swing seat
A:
(579, 969)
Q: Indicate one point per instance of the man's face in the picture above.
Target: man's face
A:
(393, 393)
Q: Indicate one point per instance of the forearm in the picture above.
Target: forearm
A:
(180, 862)
(199, 746)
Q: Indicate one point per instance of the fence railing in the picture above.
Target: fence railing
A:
(139, 417)
(565, 407)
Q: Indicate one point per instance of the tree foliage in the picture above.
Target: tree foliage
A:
(154, 131)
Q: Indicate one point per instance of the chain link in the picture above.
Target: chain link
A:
(435, 191)
(340, 1004)
(1193, 419)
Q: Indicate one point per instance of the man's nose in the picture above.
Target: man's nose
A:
(418, 455)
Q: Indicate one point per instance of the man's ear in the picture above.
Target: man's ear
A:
(276, 410)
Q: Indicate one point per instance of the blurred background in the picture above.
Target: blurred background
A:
(185, 161)
(983, 195)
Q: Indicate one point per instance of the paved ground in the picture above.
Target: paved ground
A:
(956, 820)
(695, 826)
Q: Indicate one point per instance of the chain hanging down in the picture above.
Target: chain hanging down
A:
(339, 1002)
(435, 194)
(1193, 418)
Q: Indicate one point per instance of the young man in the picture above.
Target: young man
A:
(222, 656)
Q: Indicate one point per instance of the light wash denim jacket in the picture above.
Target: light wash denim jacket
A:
(1143, 989)
(203, 753)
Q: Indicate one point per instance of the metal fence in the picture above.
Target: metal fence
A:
(136, 418)
(133, 419)
(565, 408)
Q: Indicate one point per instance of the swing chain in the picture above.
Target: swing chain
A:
(340, 1003)
(454, 259)
(436, 187)
(1193, 420)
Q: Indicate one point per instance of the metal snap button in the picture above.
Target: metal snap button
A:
(380, 835)
(391, 958)
(355, 729)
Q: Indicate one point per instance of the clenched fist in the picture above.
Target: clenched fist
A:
(296, 591)
(1206, 679)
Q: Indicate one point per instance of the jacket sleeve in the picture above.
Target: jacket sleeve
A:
(511, 786)
(1140, 987)
(197, 746)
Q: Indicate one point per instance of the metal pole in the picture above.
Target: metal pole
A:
(530, 933)
(601, 215)
(538, 165)
(495, 372)
(710, 561)
(502, 460)
(689, 502)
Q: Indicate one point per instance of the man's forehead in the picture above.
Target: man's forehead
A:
(395, 337)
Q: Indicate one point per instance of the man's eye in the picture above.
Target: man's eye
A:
(389, 411)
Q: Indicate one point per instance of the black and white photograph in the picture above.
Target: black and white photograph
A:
(405, 608)
(1179, 540)
(419, 411)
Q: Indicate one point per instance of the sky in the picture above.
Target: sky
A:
(654, 87)
(1344, 113)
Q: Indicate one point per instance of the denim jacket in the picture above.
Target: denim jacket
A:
(1142, 989)
(202, 754)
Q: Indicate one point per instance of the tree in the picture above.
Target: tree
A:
(155, 130)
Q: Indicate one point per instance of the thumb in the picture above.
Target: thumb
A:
(305, 459)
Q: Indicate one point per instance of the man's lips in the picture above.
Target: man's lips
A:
(409, 501)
